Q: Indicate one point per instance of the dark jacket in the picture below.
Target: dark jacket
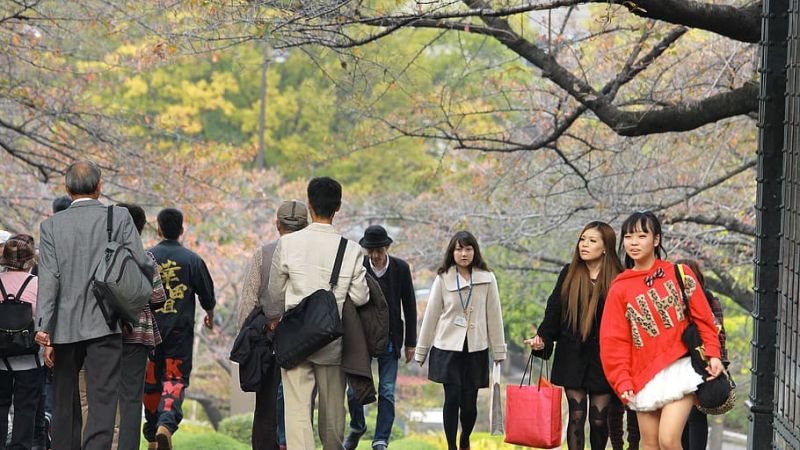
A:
(356, 362)
(375, 319)
(184, 275)
(401, 295)
(576, 364)
(252, 350)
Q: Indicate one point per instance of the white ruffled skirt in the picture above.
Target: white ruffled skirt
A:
(672, 383)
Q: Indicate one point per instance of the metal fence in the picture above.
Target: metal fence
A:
(787, 368)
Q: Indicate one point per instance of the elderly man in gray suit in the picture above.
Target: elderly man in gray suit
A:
(69, 317)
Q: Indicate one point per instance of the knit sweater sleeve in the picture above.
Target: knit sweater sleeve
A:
(702, 315)
(616, 342)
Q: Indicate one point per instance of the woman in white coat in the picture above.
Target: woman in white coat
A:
(462, 322)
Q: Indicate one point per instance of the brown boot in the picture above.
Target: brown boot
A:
(152, 445)
(163, 438)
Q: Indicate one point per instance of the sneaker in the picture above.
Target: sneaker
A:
(152, 445)
(163, 438)
(380, 446)
(351, 441)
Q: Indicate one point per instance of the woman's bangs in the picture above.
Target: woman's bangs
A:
(637, 223)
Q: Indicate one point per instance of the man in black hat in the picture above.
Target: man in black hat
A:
(394, 277)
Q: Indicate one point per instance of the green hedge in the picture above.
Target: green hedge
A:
(210, 441)
(239, 427)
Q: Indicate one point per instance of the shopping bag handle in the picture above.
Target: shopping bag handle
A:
(529, 371)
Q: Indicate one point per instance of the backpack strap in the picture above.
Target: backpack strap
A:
(110, 221)
(3, 291)
(22, 288)
(8, 364)
(337, 266)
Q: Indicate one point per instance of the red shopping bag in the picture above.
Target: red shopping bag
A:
(533, 413)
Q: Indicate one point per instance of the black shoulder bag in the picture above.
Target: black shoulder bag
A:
(312, 324)
(718, 395)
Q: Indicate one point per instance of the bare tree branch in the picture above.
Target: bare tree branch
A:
(729, 223)
(739, 23)
(681, 117)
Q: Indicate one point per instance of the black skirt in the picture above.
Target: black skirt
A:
(578, 366)
(470, 370)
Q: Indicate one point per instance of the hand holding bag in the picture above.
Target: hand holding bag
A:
(533, 413)
(496, 423)
(718, 395)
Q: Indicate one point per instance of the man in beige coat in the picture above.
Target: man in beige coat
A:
(302, 263)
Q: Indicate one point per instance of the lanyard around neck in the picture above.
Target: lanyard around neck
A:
(469, 295)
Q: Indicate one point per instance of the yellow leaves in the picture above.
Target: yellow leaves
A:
(135, 87)
(15, 39)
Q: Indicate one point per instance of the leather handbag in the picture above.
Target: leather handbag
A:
(718, 395)
(312, 324)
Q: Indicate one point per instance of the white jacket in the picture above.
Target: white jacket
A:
(485, 320)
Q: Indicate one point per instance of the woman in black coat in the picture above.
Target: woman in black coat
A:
(572, 318)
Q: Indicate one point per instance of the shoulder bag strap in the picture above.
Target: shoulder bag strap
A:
(22, 288)
(3, 291)
(110, 221)
(682, 289)
(337, 266)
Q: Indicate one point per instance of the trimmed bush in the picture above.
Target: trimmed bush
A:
(239, 427)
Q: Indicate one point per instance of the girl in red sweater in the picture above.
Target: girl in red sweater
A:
(641, 349)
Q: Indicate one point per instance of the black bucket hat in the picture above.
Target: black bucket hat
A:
(375, 236)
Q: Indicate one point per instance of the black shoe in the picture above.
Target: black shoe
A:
(351, 441)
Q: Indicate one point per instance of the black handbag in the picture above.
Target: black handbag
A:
(312, 324)
(718, 395)
(16, 323)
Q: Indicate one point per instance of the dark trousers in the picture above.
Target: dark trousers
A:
(101, 359)
(131, 388)
(24, 389)
(41, 434)
(387, 379)
(265, 421)
(166, 380)
(695, 433)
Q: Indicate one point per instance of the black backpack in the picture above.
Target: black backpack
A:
(16, 323)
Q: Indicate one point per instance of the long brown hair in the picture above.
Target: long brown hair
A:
(579, 298)
(464, 239)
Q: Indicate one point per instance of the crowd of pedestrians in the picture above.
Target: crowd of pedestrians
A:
(614, 328)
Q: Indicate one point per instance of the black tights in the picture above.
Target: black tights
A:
(463, 401)
(598, 419)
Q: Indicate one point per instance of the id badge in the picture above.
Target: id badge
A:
(461, 321)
